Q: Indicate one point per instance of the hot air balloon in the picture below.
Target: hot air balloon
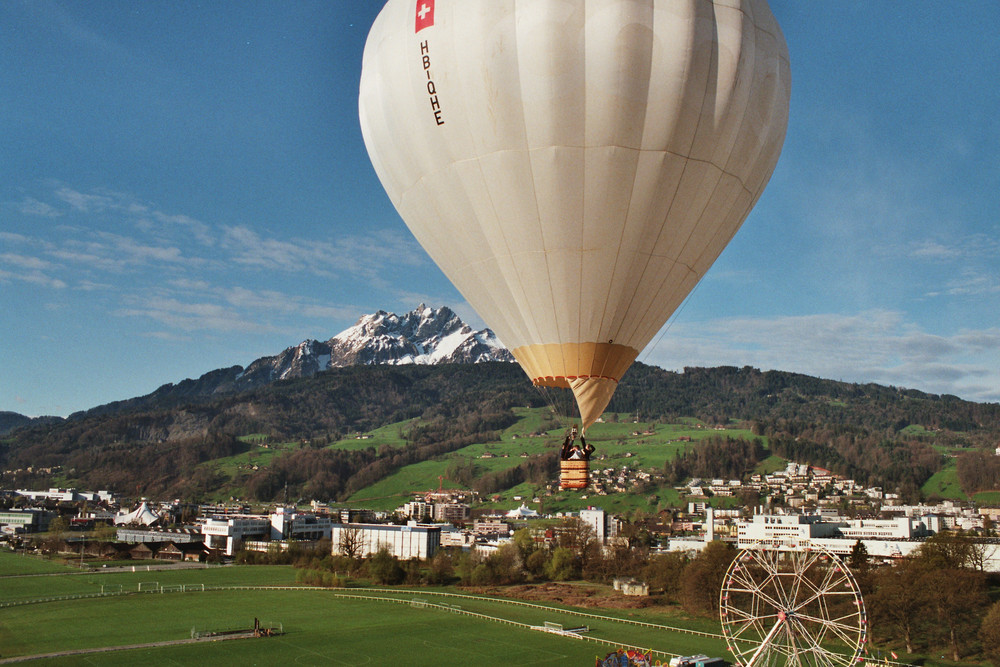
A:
(574, 167)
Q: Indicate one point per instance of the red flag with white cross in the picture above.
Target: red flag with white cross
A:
(425, 14)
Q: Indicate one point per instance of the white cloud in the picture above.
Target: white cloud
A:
(84, 202)
(191, 316)
(189, 284)
(270, 310)
(363, 256)
(136, 252)
(91, 286)
(875, 346)
(968, 247)
(934, 250)
(32, 277)
(970, 282)
(201, 231)
(28, 269)
(31, 206)
(24, 261)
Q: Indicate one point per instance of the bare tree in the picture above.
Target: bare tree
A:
(350, 542)
(989, 633)
(702, 578)
(901, 601)
(578, 536)
(980, 552)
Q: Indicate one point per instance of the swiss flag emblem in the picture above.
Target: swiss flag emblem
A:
(425, 14)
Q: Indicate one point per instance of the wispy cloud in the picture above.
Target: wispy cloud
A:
(191, 316)
(971, 246)
(28, 269)
(32, 277)
(190, 305)
(97, 237)
(23, 261)
(115, 253)
(185, 274)
(199, 229)
(88, 203)
(64, 21)
(33, 207)
(875, 346)
(970, 282)
(364, 256)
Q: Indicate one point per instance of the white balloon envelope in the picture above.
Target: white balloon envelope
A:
(574, 167)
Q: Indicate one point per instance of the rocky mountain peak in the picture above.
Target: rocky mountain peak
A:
(422, 336)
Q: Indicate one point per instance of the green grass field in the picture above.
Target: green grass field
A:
(770, 465)
(320, 626)
(388, 435)
(12, 564)
(22, 588)
(917, 430)
(988, 498)
(945, 483)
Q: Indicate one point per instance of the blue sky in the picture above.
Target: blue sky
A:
(183, 187)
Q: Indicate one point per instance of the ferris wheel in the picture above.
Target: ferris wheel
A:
(792, 607)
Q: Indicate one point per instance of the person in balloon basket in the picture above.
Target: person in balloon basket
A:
(571, 451)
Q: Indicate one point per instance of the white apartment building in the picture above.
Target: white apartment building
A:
(287, 524)
(900, 528)
(229, 533)
(780, 529)
(31, 520)
(417, 510)
(404, 542)
(605, 525)
(67, 495)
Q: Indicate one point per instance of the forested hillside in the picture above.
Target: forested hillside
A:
(879, 435)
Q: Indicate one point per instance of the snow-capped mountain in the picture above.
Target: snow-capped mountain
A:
(422, 336)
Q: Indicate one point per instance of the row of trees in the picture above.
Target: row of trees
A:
(872, 460)
(715, 394)
(935, 599)
(716, 457)
(570, 551)
(978, 471)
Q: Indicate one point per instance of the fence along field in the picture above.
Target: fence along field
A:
(317, 623)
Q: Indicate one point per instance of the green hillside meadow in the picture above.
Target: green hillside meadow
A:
(620, 443)
(320, 626)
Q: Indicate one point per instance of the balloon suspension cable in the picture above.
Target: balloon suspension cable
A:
(563, 413)
(663, 332)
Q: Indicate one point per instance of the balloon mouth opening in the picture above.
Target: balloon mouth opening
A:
(564, 381)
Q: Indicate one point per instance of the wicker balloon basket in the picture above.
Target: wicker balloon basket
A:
(574, 474)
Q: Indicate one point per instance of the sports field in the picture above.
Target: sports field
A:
(320, 627)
